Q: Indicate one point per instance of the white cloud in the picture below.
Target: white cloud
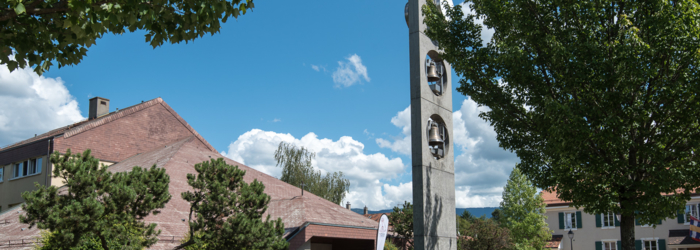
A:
(486, 33)
(276, 120)
(401, 144)
(481, 166)
(256, 149)
(315, 67)
(32, 104)
(350, 72)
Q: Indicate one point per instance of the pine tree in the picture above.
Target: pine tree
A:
(96, 206)
(297, 170)
(226, 212)
(522, 212)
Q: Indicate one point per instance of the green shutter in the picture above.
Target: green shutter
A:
(579, 223)
(638, 244)
(619, 245)
(681, 216)
(561, 220)
(598, 222)
(598, 245)
(659, 222)
(662, 244)
(617, 222)
(636, 221)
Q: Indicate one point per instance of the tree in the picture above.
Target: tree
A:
(297, 170)
(38, 32)
(484, 234)
(96, 205)
(496, 215)
(226, 212)
(401, 219)
(522, 212)
(599, 99)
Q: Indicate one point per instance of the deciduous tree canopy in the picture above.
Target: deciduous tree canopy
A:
(599, 99)
(522, 212)
(297, 170)
(37, 32)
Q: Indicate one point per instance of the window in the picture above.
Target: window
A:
(609, 245)
(690, 210)
(650, 245)
(570, 220)
(2, 174)
(608, 220)
(28, 167)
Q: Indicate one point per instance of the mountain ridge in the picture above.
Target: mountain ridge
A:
(476, 211)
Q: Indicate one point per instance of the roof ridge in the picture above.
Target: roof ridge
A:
(177, 145)
(111, 117)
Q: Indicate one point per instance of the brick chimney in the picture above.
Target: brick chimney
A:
(347, 205)
(98, 107)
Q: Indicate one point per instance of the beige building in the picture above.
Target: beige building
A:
(602, 231)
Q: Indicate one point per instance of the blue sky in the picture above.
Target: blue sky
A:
(267, 77)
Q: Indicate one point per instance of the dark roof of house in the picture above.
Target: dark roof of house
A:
(555, 241)
(85, 125)
(680, 237)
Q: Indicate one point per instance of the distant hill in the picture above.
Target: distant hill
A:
(476, 211)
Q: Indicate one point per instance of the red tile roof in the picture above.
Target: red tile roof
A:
(550, 198)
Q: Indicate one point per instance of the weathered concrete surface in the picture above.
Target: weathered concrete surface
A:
(433, 179)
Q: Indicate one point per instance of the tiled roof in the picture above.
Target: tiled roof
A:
(286, 201)
(550, 198)
(178, 159)
(85, 125)
(375, 217)
(555, 241)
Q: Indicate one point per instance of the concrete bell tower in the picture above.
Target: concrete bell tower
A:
(434, 215)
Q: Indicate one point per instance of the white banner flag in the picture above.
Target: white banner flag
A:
(381, 231)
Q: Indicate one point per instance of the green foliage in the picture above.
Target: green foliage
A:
(96, 205)
(496, 215)
(297, 170)
(599, 99)
(226, 212)
(484, 234)
(402, 221)
(37, 32)
(50, 240)
(390, 246)
(522, 212)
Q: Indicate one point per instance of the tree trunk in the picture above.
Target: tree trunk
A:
(627, 232)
